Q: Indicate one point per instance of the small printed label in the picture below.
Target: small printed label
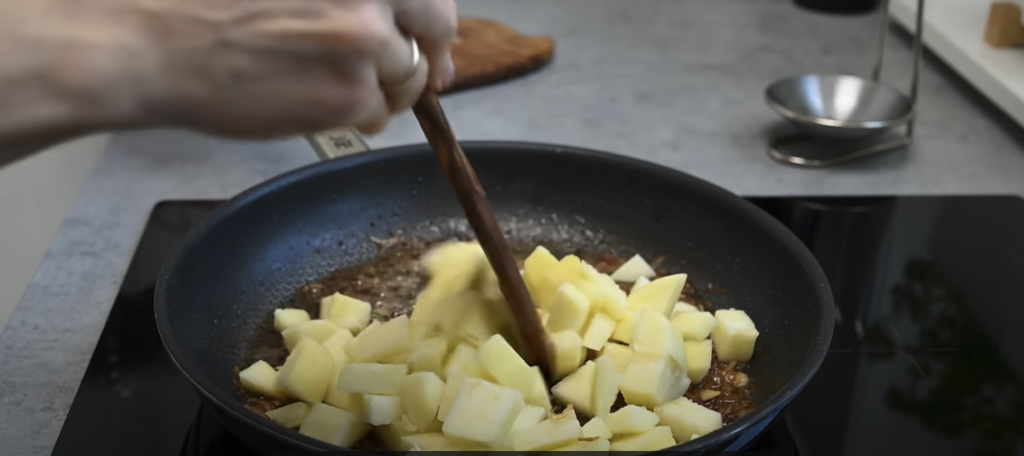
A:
(338, 143)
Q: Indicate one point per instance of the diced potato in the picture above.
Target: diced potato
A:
(684, 307)
(568, 351)
(462, 362)
(549, 434)
(286, 318)
(541, 275)
(586, 445)
(391, 435)
(451, 392)
(346, 312)
(639, 283)
(570, 268)
(544, 316)
(501, 361)
(660, 295)
(439, 442)
(651, 380)
(540, 396)
(655, 334)
(613, 302)
(596, 427)
(634, 268)
(591, 274)
(569, 311)
(369, 378)
(483, 413)
(620, 355)
(687, 418)
(694, 325)
(734, 336)
(333, 425)
(599, 331)
(318, 330)
(624, 331)
(606, 386)
(307, 372)
(455, 262)
(381, 410)
(289, 416)
(390, 339)
(351, 402)
(337, 344)
(428, 355)
(698, 359)
(260, 378)
(659, 438)
(631, 420)
(477, 324)
(529, 416)
(578, 389)
(421, 395)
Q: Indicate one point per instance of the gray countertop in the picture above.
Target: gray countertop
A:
(679, 83)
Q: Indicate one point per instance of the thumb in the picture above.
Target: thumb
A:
(433, 24)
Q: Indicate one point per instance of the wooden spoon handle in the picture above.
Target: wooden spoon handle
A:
(474, 203)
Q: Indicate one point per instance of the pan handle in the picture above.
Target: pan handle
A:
(337, 143)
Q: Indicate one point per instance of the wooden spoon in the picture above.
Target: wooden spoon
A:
(474, 203)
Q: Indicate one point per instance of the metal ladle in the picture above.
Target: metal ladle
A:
(843, 117)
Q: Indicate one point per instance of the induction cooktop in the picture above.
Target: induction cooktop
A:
(926, 356)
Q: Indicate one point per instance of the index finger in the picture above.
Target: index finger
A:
(433, 24)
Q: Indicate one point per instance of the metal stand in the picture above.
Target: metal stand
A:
(819, 151)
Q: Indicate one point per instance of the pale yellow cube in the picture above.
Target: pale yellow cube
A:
(549, 434)
(451, 392)
(529, 416)
(307, 372)
(631, 420)
(587, 446)
(651, 380)
(463, 361)
(351, 402)
(333, 425)
(540, 396)
(370, 378)
(382, 410)
(599, 331)
(437, 441)
(569, 311)
(655, 439)
(698, 359)
(542, 276)
(503, 364)
(568, 351)
(660, 295)
(613, 302)
(318, 330)
(570, 268)
(683, 306)
(687, 418)
(606, 386)
(421, 395)
(337, 344)
(289, 416)
(391, 435)
(286, 318)
(260, 378)
(638, 284)
(633, 269)
(624, 331)
(734, 336)
(388, 340)
(346, 312)
(578, 389)
(654, 334)
(483, 413)
(596, 427)
(454, 259)
(429, 355)
(620, 355)
(544, 316)
(694, 325)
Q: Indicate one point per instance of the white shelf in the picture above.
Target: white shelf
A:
(955, 31)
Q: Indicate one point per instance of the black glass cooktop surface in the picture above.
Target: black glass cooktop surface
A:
(926, 359)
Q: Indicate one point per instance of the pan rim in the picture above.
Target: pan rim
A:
(231, 405)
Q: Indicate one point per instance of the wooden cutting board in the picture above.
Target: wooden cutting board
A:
(488, 52)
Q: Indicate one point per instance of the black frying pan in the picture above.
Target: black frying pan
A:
(216, 294)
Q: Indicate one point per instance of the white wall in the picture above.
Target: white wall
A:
(35, 195)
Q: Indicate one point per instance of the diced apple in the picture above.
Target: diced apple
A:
(596, 427)
(591, 274)
(346, 312)
(462, 361)
(613, 302)
(540, 396)
(390, 339)
(454, 260)
(260, 378)
(687, 418)
(318, 330)
(549, 434)
(638, 284)
(655, 439)
(451, 392)
(606, 386)
(483, 413)
(307, 372)
(501, 361)
(684, 307)
(370, 378)
(651, 380)
(586, 445)
(698, 359)
(578, 389)
(541, 275)
(351, 402)
(439, 442)
(337, 344)
(428, 355)
(421, 395)
(286, 318)
(289, 416)
(476, 324)
(569, 311)
(624, 331)
(568, 351)
(599, 331)
(391, 435)
(529, 416)
(734, 336)
(694, 325)
(660, 295)
(333, 425)
(631, 420)
(655, 334)
(381, 410)
(620, 355)
(634, 268)
(570, 268)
